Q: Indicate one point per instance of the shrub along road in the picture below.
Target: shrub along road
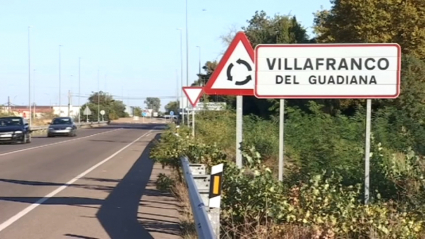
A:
(99, 185)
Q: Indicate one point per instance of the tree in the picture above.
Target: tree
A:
(102, 97)
(114, 108)
(263, 29)
(119, 108)
(208, 68)
(228, 37)
(172, 106)
(374, 21)
(412, 97)
(137, 111)
(153, 103)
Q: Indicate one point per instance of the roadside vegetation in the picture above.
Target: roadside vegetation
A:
(322, 195)
(114, 109)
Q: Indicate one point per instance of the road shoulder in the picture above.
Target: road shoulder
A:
(159, 211)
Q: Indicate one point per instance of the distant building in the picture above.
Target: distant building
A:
(39, 110)
(23, 111)
(63, 111)
(129, 110)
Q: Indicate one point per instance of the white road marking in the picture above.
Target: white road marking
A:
(61, 142)
(24, 212)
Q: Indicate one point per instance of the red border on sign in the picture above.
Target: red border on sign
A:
(197, 98)
(327, 96)
(239, 37)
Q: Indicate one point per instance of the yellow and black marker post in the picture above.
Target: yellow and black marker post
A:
(216, 182)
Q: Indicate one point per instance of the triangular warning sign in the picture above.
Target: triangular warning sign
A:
(193, 94)
(87, 111)
(235, 72)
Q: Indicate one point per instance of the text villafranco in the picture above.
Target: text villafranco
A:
(328, 64)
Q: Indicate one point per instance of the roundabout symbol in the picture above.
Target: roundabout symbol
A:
(229, 72)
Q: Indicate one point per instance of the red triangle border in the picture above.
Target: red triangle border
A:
(199, 96)
(239, 37)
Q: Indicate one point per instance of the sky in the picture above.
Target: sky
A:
(128, 48)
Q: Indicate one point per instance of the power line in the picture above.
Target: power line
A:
(128, 98)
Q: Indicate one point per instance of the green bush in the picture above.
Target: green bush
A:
(322, 204)
(322, 190)
(325, 142)
(217, 128)
(262, 134)
(164, 183)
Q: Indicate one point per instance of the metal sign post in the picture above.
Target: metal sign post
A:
(281, 138)
(234, 76)
(367, 150)
(193, 121)
(102, 112)
(239, 129)
(87, 112)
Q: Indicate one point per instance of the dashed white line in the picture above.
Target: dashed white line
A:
(24, 212)
(61, 142)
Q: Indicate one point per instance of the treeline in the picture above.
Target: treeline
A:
(347, 22)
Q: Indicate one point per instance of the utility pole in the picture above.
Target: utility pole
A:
(33, 93)
(181, 75)
(69, 103)
(200, 80)
(187, 59)
(98, 97)
(9, 104)
(79, 90)
(29, 77)
(33, 110)
(177, 87)
(60, 107)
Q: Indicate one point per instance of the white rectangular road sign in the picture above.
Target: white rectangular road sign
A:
(326, 71)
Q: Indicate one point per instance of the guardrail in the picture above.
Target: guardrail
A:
(204, 194)
(41, 128)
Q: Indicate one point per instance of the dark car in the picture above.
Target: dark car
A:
(14, 129)
(62, 126)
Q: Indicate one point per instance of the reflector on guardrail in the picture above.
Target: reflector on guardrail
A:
(216, 181)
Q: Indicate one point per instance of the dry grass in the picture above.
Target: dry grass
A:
(41, 122)
(268, 230)
(186, 217)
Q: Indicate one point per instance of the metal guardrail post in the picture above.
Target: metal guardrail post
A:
(203, 224)
(214, 196)
(205, 197)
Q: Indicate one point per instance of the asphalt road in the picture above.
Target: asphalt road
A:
(43, 140)
(90, 186)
